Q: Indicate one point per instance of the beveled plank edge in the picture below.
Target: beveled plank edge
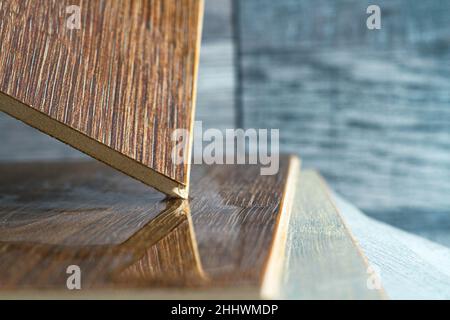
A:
(201, 11)
(272, 274)
(91, 147)
(327, 191)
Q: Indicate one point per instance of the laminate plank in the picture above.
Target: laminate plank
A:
(214, 103)
(115, 89)
(226, 240)
(323, 260)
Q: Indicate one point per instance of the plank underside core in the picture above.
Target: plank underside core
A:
(115, 88)
(127, 238)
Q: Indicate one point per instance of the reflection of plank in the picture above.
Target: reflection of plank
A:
(173, 261)
(323, 261)
(101, 264)
(114, 89)
(72, 204)
(230, 245)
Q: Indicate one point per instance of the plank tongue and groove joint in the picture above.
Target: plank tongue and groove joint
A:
(114, 88)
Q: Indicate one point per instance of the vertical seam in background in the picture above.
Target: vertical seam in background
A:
(237, 63)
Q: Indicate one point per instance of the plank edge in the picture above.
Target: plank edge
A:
(327, 192)
(271, 277)
(201, 11)
(92, 148)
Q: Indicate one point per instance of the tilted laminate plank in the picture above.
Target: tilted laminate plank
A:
(116, 88)
(127, 238)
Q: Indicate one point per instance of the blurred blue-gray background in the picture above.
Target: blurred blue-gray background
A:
(370, 109)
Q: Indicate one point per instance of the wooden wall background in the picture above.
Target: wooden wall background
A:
(369, 109)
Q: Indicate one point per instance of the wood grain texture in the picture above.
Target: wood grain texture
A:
(368, 108)
(114, 89)
(216, 78)
(323, 261)
(409, 266)
(219, 242)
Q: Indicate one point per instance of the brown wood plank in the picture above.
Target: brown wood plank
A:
(226, 239)
(115, 89)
